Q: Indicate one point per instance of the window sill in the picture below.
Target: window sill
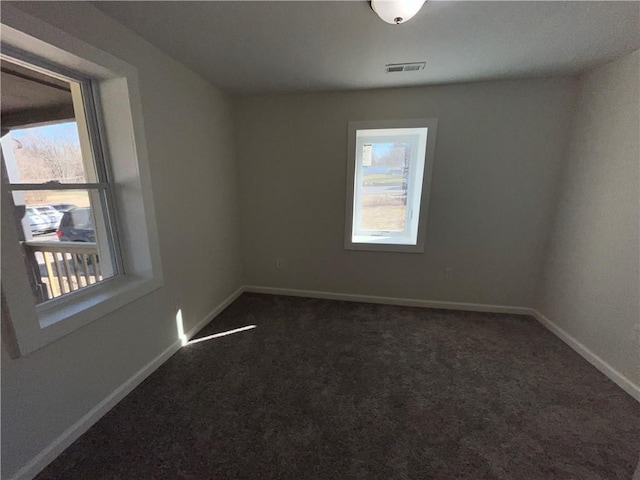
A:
(60, 318)
(383, 244)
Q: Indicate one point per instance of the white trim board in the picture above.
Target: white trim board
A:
(405, 302)
(615, 376)
(71, 434)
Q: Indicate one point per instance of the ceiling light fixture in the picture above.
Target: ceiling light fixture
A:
(396, 11)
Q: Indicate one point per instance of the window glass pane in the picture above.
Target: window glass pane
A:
(47, 137)
(47, 153)
(65, 235)
(383, 186)
(65, 240)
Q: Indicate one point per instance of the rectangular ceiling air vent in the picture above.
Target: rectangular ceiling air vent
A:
(405, 67)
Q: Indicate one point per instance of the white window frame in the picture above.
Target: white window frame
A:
(412, 240)
(115, 87)
(96, 168)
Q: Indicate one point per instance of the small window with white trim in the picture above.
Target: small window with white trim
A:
(388, 180)
(54, 167)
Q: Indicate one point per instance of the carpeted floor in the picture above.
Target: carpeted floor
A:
(335, 390)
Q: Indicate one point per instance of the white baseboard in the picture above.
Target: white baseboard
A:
(47, 455)
(55, 448)
(405, 302)
(615, 376)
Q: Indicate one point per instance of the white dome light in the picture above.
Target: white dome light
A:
(396, 11)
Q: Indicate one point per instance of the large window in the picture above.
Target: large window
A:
(54, 166)
(389, 175)
(79, 236)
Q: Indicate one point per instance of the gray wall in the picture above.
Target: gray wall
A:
(189, 133)
(498, 153)
(590, 286)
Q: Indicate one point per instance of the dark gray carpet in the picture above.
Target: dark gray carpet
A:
(335, 390)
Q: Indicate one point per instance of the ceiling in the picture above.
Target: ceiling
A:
(30, 97)
(283, 46)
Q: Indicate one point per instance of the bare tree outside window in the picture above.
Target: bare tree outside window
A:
(42, 157)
